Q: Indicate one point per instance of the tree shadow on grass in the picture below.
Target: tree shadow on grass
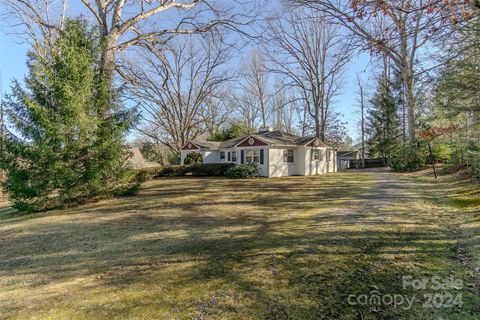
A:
(290, 249)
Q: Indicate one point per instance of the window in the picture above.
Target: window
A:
(315, 155)
(252, 156)
(288, 155)
(222, 155)
(234, 156)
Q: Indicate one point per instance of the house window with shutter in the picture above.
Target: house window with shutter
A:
(315, 155)
(289, 155)
(252, 156)
(222, 155)
(234, 156)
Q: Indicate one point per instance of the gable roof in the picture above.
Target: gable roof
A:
(275, 138)
(347, 153)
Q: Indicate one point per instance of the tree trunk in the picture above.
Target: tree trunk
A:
(363, 131)
(410, 106)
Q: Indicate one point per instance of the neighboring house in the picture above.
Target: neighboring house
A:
(344, 157)
(358, 147)
(136, 161)
(277, 153)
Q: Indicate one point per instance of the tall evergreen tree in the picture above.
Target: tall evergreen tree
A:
(382, 122)
(65, 149)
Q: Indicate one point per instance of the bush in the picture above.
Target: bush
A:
(172, 171)
(209, 169)
(197, 170)
(193, 158)
(408, 158)
(146, 174)
(441, 152)
(243, 171)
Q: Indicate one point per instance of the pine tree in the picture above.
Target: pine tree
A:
(65, 149)
(382, 122)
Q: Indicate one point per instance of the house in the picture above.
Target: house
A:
(277, 153)
(358, 147)
(344, 158)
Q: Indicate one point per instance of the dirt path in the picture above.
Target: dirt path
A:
(411, 232)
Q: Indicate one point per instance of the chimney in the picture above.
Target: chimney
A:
(264, 129)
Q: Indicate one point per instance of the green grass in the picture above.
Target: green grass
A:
(288, 248)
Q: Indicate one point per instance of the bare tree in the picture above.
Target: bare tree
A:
(310, 53)
(176, 85)
(36, 22)
(398, 29)
(125, 23)
(217, 110)
(246, 107)
(254, 84)
(361, 95)
(283, 109)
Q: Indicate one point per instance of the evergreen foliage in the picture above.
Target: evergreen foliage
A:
(243, 171)
(193, 158)
(235, 130)
(67, 147)
(382, 122)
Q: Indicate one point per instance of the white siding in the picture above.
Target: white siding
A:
(300, 163)
(208, 156)
(211, 156)
(277, 168)
(313, 167)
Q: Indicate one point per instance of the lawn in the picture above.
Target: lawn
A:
(287, 248)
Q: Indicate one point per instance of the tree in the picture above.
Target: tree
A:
(235, 130)
(176, 85)
(253, 84)
(310, 54)
(283, 109)
(247, 110)
(336, 134)
(63, 152)
(396, 29)
(382, 121)
(361, 93)
(122, 24)
(455, 102)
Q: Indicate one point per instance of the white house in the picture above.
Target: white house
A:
(277, 153)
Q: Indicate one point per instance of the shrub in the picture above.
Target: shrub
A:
(243, 171)
(408, 158)
(193, 158)
(172, 171)
(146, 174)
(209, 169)
(441, 152)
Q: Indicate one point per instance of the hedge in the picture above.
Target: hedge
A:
(197, 170)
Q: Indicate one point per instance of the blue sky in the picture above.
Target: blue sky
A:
(13, 58)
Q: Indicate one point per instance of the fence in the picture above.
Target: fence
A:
(369, 163)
